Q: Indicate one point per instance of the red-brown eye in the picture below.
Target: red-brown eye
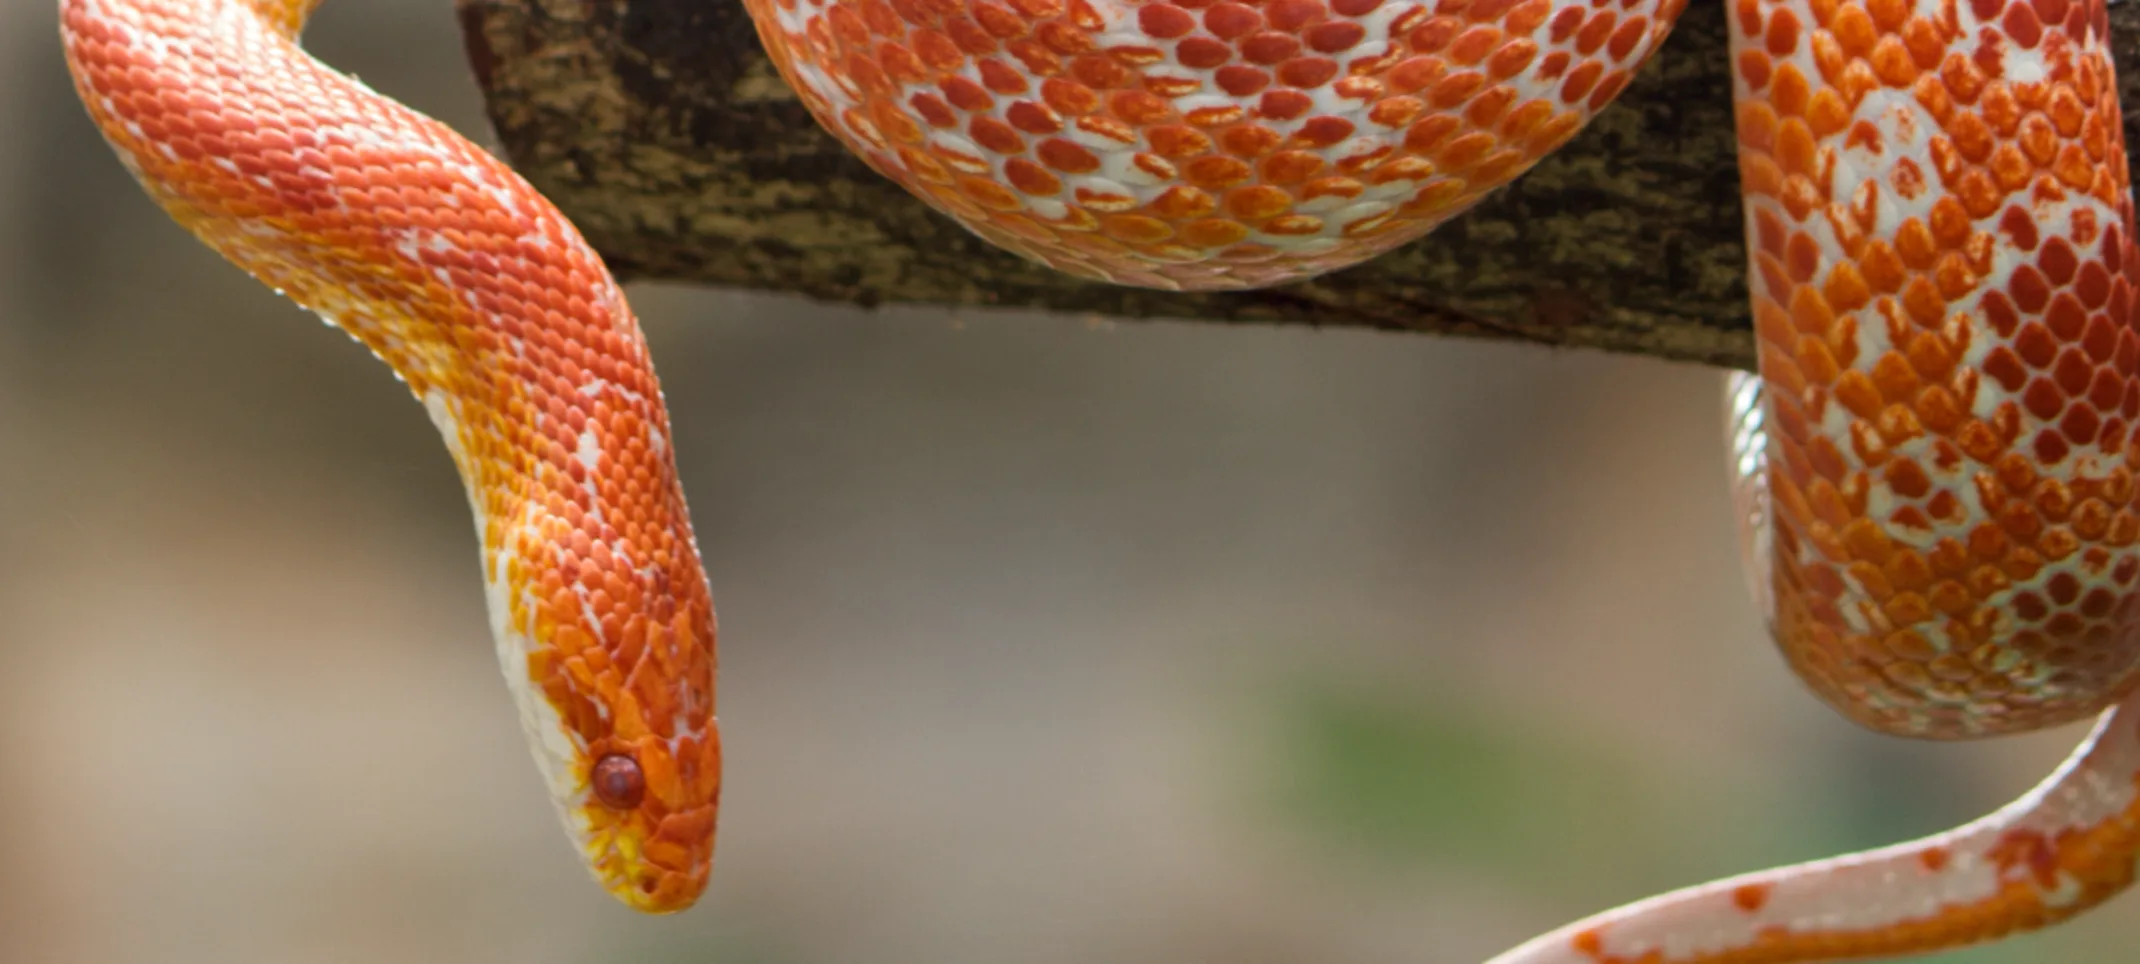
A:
(618, 782)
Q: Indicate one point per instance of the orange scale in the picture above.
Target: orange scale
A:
(1040, 9)
(1377, 64)
(1250, 140)
(1487, 108)
(846, 25)
(1395, 112)
(880, 18)
(1136, 229)
(923, 166)
(1334, 37)
(1000, 22)
(1454, 89)
(1001, 78)
(1031, 178)
(897, 125)
(1499, 166)
(1171, 254)
(1074, 219)
(1154, 166)
(1293, 15)
(1363, 89)
(1434, 201)
(1355, 164)
(1141, 108)
(1213, 233)
(1097, 245)
(955, 201)
(969, 36)
(1269, 48)
(1166, 86)
(1068, 96)
(1292, 225)
(2065, 114)
(1609, 88)
(1035, 57)
(1416, 74)
(1371, 225)
(1284, 105)
(1066, 156)
(1100, 72)
(1595, 32)
(1202, 53)
(1064, 39)
(995, 135)
(1164, 21)
(1474, 45)
(1250, 253)
(915, 14)
(1461, 153)
(1431, 36)
(1232, 21)
(1306, 72)
(1411, 18)
(1213, 172)
(1405, 168)
(1103, 200)
(1216, 116)
(1783, 32)
(933, 110)
(1258, 202)
(1025, 228)
(1182, 202)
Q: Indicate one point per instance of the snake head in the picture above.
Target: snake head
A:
(608, 648)
(617, 701)
(646, 814)
(622, 726)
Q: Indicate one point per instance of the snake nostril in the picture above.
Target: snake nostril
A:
(618, 782)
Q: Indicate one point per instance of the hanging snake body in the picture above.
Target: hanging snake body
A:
(1936, 467)
(485, 300)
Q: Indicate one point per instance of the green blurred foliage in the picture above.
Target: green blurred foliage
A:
(1383, 779)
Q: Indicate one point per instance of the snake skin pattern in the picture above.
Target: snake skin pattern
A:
(505, 324)
(1197, 144)
(1935, 468)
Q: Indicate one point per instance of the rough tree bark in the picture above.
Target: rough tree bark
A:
(660, 127)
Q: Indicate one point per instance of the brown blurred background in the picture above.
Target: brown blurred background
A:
(1046, 640)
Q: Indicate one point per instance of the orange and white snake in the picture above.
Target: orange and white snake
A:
(1936, 467)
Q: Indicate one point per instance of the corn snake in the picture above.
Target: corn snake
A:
(1946, 542)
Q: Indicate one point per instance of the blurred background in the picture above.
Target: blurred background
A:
(1045, 639)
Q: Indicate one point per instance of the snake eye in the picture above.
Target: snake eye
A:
(618, 782)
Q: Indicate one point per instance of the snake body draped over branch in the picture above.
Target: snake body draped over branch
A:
(1935, 469)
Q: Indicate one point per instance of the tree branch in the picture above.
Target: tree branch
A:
(662, 130)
